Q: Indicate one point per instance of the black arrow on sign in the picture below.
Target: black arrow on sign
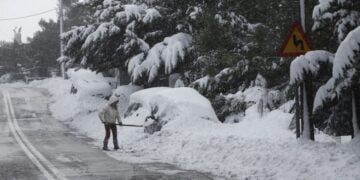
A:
(298, 42)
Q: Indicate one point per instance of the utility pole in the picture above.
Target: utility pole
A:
(61, 14)
(299, 89)
(302, 14)
(304, 89)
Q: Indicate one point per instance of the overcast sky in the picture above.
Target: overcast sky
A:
(19, 8)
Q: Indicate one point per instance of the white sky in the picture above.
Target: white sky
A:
(19, 8)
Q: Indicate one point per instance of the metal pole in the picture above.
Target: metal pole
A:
(62, 65)
(297, 112)
(302, 14)
(301, 109)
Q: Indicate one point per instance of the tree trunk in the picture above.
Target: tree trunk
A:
(354, 117)
(117, 76)
(306, 134)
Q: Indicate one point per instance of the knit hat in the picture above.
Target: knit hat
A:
(113, 99)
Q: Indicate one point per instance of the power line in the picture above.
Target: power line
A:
(23, 17)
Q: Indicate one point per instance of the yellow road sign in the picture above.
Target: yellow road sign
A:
(296, 42)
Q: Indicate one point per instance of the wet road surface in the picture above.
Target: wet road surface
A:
(35, 146)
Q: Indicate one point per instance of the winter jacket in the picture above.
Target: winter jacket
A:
(109, 115)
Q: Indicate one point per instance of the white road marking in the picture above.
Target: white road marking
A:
(44, 165)
(29, 119)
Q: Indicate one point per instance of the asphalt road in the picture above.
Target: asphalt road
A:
(36, 146)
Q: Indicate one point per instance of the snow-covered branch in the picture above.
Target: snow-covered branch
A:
(169, 53)
(344, 13)
(347, 56)
(308, 64)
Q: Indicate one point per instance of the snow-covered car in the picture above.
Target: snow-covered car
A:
(89, 83)
(156, 107)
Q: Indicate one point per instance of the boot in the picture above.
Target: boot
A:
(105, 147)
(116, 145)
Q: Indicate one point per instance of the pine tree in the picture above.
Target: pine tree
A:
(145, 38)
(341, 16)
(303, 71)
(345, 76)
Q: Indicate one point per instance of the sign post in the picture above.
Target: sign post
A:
(296, 42)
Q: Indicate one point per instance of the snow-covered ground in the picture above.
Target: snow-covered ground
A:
(256, 148)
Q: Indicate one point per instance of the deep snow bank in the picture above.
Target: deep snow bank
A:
(256, 148)
(123, 93)
(165, 105)
(174, 104)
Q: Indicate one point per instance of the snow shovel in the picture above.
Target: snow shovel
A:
(130, 125)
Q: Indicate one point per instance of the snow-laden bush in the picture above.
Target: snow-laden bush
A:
(6, 78)
(229, 105)
(160, 106)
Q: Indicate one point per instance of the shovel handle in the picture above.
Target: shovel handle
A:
(130, 125)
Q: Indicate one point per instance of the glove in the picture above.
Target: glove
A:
(120, 123)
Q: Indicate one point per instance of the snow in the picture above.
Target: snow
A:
(123, 93)
(308, 64)
(251, 95)
(256, 148)
(151, 15)
(324, 93)
(306, 134)
(196, 11)
(337, 11)
(174, 104)
(170, 53)
(345, 58)
(347, 55)
(104, 30)
(260, 81)
(134, 62)
(131, 11)
(5, 78)
(203, 83)
(354, 118)
(88, 82)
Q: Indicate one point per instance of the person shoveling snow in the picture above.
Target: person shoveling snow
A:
(109, 116)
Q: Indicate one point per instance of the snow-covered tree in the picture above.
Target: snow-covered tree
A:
(142, 37)
(308, 65)
(341, 15)
(345, 75)
(302, 70)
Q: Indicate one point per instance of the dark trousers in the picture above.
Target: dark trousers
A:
(112, 128)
